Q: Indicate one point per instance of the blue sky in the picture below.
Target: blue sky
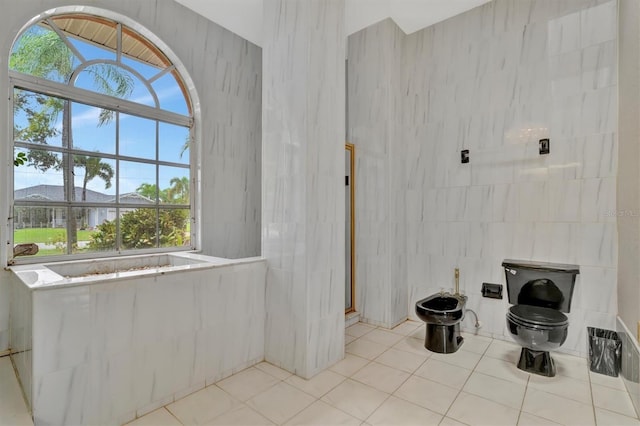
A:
(137, 136)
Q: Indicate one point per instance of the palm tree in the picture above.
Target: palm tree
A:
(178, 192)
(93, 167)
(42, 53)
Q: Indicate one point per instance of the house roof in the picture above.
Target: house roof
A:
(56, 193)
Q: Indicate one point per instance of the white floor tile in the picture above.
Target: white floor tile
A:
(448, 421)
(406, 328)
(501, 391)
(567, 387)
(571, 366)
(419, 332)
(502, 369)
(241, 416)
(281, 402)
(202, 406)
(355, 398)
(506, 351)
(381, 377)
(472, 409)
(558, 409)
(319, 384)
(612, 400)
(405, 361)
(365, 348)
(359, 329)
(460, 358)
(608, 381)
(396, 411)
(475, 343)
(271, 369)
(383, 337)
(349, 365)
(321, 414)
(416, 346)
(159, 417)
(441, 372)
(428, 394)
(349, 338)
(247, 383)
(606, 417)
(527, 419)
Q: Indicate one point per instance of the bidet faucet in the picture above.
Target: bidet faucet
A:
(457, 275)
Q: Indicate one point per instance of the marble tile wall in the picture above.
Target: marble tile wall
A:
(375, 111)
(495, 80)
(226, 73)
(630, 368)
(628, 199)
(302, 172)
(5, 292)
(21, 333)
(124, 348)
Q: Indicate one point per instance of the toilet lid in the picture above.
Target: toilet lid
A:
(538, 315)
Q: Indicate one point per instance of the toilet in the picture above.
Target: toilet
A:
(442, 313)
(540, 294)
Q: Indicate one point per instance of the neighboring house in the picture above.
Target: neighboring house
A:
(55, 217)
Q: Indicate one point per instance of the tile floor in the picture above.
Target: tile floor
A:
(388, 378)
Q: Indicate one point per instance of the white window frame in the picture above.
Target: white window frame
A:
(75, 94)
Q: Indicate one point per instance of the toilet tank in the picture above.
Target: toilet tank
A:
(540, 283)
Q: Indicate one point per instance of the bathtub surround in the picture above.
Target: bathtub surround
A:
(303, 169)
(374, 68)
(121, 347)
(226, 73)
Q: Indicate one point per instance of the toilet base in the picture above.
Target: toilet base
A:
(536, 362)
(443, 339)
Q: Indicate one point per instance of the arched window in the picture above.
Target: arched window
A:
(102, 128)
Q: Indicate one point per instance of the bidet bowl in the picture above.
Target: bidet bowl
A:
(441, 309)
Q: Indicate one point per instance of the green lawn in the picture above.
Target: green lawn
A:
(46, 235)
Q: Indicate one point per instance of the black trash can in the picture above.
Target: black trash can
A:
(605, 350)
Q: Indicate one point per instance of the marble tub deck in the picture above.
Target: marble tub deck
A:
(388, 378)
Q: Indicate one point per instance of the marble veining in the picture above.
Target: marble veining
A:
(493, 80)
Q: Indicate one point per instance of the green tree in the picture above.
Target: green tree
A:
(138, 230)
(42, 53)
(93, 167)
(178, 192)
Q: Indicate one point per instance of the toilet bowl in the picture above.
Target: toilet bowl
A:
(442, 313)
(541, 293)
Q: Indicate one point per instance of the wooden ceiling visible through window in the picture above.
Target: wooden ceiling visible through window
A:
(104, 32)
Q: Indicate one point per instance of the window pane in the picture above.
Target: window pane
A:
(37, 118)
(44, 182)
(137, 137)
(137, 183)
(173, 143)
(94, 179)
(170, 94)
(93, 129)
(41, 225)
(174, 228)
(95, 232)
(174, 185)
(113, 80)
(40, 52)
(138, 228)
